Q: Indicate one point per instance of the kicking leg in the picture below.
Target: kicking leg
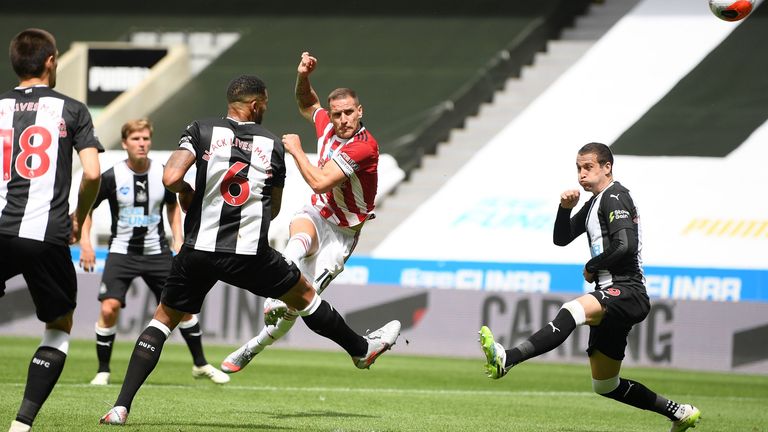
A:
(584, 310)
(606, 382)
(278, 317)
(324, 320)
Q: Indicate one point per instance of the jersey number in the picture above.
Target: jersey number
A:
(231, 178)
(32, 161)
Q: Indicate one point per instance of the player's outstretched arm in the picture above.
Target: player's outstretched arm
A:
(306, 97)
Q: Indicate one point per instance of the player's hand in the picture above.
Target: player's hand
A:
(87, 258)
(589, 277)
(569, 198)
(75, 236)
(307, 64)
(292, 143)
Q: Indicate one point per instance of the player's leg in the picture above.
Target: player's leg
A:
(190, 280)
(106, 331)
(52, 283)
(302, 249)
(607, 382)
(156, 270)
(324, 320)
(119, 271)
(583, 310)
(193, 335)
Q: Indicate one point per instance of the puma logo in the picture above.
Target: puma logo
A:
(554, 329)
(628, 389)
(605, 296)
(614, 196)
(142, 185)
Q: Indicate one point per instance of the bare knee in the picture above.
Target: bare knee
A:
(110, 310)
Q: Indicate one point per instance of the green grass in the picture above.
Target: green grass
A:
(286, 390)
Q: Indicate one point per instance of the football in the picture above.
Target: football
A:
(731, 10)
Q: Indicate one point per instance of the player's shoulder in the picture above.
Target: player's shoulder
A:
(365, 136)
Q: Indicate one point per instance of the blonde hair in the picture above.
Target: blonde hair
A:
(136, 125)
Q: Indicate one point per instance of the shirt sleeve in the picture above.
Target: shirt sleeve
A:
(322, 120)
(83, 135)
(190, 139)
(354, 157)
(107, 184)
(620, 212)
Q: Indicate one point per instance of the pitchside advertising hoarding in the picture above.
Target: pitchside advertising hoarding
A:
(676, 283)
(676, 334)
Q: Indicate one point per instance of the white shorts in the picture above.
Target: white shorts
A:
(335, 245)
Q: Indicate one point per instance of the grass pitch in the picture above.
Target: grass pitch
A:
(287, 390)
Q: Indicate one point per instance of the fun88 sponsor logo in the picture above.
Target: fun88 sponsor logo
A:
(477, 279)
(694, 287)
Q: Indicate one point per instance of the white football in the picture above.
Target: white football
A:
(731, 10)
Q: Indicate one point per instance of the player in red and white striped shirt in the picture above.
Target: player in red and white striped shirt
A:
(324, 232)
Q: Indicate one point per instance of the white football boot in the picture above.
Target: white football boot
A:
(379, 341)
(210, 372)
(116, 416)
(101, 379)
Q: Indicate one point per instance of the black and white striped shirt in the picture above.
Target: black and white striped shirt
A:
(136, 202)
(238, 164)
(614, 232)
(39, 127)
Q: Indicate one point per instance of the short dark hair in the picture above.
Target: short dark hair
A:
(245, 88)
(29, 50)
(341, 93)
(602, 151)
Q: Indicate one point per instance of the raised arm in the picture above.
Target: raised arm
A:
(567, 228)
(306, 97)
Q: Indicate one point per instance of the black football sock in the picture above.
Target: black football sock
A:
(105, 339)
(327, 322)
(145, 355)
(544, 340)
(193, 335)
(639, 396)
(44, 371)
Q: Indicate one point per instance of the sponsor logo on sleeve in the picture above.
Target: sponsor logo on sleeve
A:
(618, 214)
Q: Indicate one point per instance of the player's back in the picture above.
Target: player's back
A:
(238, 165)
(39, 128)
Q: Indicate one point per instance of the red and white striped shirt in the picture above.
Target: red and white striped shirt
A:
(350, 203)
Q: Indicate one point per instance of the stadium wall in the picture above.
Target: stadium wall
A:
(676, 334)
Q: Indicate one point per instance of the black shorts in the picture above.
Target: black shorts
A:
(625, 305)
(194, 273)
(48, 271)
(121, 269)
